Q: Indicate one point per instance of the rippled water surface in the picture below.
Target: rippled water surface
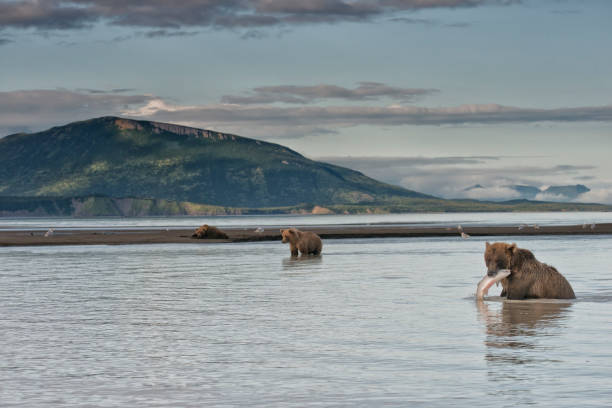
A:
(384, 322)
(420, 219)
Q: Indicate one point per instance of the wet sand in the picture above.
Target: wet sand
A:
(125, 237)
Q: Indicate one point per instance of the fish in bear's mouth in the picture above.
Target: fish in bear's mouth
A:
(488, 280)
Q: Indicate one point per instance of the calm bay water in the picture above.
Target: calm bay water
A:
(269, 221)
(372, 322)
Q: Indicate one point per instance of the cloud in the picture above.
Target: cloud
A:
(308, 94)
(103, 91)
(598, 195)
(27, 110)
(254, 118)
(34, 109)
(468, 177)
(254, 34)
(494, 193)
(168, 33)
(376, 162)
(420, 21)
(78, 14)
(429, 22)
(45, 14)
(544, 196)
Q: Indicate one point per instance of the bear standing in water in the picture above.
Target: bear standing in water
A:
(305, 241)
(529, 278)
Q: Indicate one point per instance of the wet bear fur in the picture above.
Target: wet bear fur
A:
(209, 232)
(306, 242)
(529, 278)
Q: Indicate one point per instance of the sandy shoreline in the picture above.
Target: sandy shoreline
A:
(126, 237)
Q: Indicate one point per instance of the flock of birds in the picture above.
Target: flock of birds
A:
(521, 227)
(463, 234)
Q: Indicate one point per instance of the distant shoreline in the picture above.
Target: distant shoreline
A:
(183, 236)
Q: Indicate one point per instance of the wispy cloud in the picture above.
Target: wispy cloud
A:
(253, 119)
(598, 195)
(36, 109)
(169, 33)
(78, 14)
(365, 163)
(27, 110)
(471, 177)
(429, 22)
(366, 91)
(104, 91)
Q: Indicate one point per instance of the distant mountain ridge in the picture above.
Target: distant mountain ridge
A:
(118, 157)
(569, 192)
(552, 193)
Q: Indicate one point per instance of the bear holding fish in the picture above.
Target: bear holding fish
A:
(521, 275)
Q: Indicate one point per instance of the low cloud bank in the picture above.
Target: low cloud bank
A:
(38, 109)
(219, 14)
(489, 178)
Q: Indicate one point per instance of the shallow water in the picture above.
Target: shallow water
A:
(372, 322)
(274, 221)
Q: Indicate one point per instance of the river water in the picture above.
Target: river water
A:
(373, 322)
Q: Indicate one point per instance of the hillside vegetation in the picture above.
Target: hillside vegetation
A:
(117, 157)
(115, 166)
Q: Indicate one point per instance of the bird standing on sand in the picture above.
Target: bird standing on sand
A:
(259, 230)
(459, 228)
(464, 235)
(49, 233)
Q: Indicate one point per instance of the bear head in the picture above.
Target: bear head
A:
(498, 256)
(289, 235)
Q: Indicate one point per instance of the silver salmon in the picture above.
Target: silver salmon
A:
(485, 283)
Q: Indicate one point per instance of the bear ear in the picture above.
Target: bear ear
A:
(512, 248)
(488, 244)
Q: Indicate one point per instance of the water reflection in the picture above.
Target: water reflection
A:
(522, 318)
(302, 261)
(519, 343)
(519, 325)
(514, 332)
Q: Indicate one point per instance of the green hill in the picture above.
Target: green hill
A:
(115, 166)
(117, 157)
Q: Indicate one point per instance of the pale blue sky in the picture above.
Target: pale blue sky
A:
(548, 60)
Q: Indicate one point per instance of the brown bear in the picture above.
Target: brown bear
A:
(529, 278)
(209, 232)
(305, 241)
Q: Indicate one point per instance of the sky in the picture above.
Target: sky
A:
(433, 95)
